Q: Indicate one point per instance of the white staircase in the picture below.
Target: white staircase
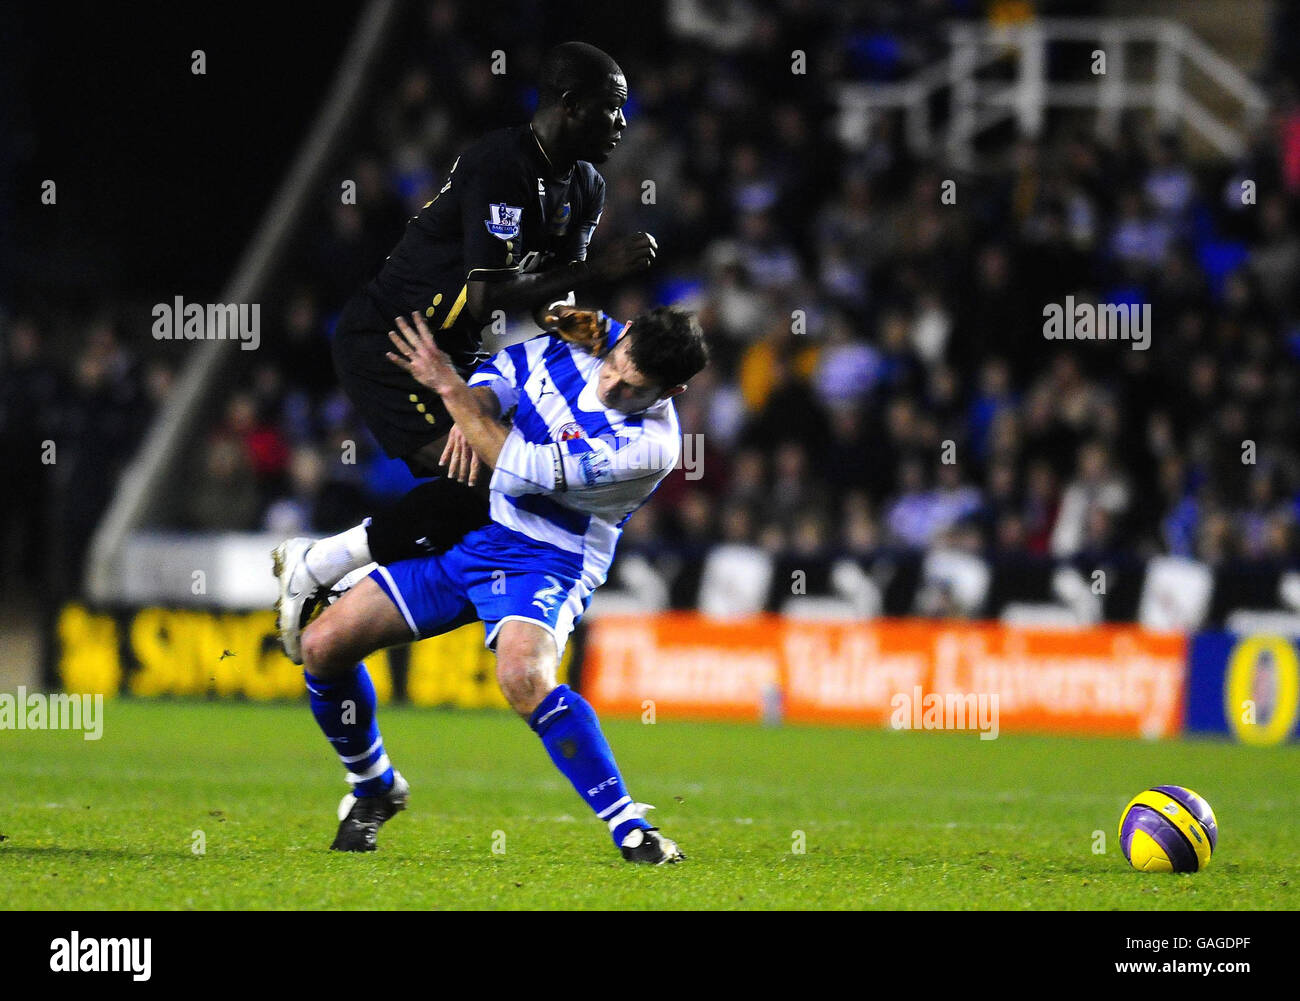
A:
(995, 74)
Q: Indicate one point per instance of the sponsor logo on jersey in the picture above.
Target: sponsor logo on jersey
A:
(504, 220)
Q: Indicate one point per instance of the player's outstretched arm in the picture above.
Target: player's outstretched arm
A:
(475, 411)
(580, 466)
(624, 256)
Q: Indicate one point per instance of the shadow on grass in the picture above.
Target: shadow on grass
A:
(66, 852)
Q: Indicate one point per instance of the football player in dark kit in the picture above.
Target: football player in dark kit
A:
(507, 232)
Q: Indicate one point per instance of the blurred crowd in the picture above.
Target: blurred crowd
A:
(881, 375)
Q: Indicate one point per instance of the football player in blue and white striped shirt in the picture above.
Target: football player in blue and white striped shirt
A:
(588, 439)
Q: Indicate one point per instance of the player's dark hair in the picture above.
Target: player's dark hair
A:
(573, 66)
(667, 345)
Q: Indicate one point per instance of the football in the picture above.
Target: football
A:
(1168, 829)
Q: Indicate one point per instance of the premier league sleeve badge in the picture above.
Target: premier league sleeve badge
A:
(504, 220)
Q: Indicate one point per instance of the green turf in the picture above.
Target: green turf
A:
(890, 820)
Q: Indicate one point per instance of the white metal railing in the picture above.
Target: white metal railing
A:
(976, 105)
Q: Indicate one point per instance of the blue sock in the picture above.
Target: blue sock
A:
(345, 710)
(571, 733)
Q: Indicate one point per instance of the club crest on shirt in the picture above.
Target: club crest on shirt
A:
(504, 220)
(570, 431)
(558, 224)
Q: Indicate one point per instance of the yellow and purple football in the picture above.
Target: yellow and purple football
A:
(1168, 829)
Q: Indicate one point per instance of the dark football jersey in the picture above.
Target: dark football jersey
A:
(501, 213)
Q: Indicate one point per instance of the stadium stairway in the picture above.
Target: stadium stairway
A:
(1238, 31)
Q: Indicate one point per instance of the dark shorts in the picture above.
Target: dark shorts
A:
(402, 414)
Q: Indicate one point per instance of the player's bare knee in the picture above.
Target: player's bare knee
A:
(519, 678)
(322, 649)
(315, 649)
(525, 673)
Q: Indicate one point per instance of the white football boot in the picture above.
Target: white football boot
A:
(301, 598)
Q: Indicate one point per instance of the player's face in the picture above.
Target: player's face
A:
(599, 123)
(621, 386)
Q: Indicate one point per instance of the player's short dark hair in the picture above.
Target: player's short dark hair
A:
(667, 345)
(574, 66)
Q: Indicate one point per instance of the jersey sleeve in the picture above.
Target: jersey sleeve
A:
(581, 465)
(492, 202)
(575, 246)
(499, 374)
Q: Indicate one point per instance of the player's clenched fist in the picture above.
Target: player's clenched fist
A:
(421, 357)
(624, 256)
(587, 328)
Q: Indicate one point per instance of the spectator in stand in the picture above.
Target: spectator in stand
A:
(1097, 489)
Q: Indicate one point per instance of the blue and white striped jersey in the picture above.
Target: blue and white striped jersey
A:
(571, 471)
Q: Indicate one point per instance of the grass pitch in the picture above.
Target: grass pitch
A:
(884, 820)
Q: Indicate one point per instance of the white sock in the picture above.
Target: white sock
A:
(332, 558)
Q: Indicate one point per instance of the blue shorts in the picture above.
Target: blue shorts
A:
(494, 574)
